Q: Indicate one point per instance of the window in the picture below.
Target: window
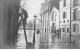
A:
(53, 24)
(67, 30)
(64, 3)
(67, 20)
(52, 28)
(63, 29)
(75, 28)
(75, 2)
(64, 15)
(45, 30)
(64, 21)
(74, 14)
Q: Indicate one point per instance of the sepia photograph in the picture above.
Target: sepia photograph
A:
(39, 24)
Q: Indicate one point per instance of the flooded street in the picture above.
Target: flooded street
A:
(57, 42)
(21, 43)
(63, 42)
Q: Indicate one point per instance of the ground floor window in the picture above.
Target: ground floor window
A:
(67, 30)
(75, 28)
(45, 30)
(63, 29)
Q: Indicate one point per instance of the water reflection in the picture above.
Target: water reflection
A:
(64, 42)
(57, 41)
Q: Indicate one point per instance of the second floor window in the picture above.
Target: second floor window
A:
(52, 16)
(75, 2)
(75, 13)
(64, 3)
(64, 15)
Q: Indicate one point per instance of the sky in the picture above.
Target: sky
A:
(33, 7)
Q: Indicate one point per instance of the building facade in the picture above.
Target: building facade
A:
(46, 9)
(9, 13)
(64, 11)
(75, 17)
(54, 20)
(45, 21)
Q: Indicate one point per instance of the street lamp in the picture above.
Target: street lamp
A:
(34, 28)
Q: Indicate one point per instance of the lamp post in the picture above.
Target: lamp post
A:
(70, 22)
(34, 28)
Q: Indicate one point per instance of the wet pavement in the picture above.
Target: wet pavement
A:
(63, 42)
(57, 42)
(21, 43)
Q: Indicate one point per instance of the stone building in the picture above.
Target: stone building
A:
(64, 10)
(45, 22)
(75, 17)
(9, 12)
(46, 9)
(54, 20)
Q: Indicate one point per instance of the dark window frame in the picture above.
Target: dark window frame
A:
(64, 3)
(75, 3)
(67, 30)
(67, 20)
(63, 29)
(64, 15)
(64, 21)
(75, 14)
(75, 27)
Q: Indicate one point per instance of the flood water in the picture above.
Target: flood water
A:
(63, 42)
(57, 42)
